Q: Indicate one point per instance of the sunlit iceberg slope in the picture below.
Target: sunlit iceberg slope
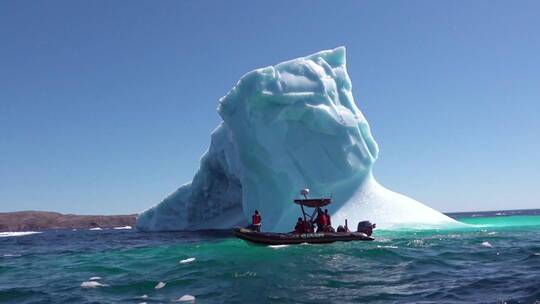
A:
(288, 127)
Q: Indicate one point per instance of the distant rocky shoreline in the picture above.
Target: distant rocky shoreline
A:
(43, 220)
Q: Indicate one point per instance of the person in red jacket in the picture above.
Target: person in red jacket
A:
(328, 223)
(256, 221)
(327, 217)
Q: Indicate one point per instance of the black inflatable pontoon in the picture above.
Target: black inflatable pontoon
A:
(269, 238)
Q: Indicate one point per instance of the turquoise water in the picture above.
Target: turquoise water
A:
(491, 260)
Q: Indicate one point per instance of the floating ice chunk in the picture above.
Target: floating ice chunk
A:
(144, 296)
(185, 298)
(245, 274)
(95, 278)
(92, 284)
(123, 228)
(18, 233)
(487, 244)
(95, 229)
(278, 246)
(188, 260)
(160, 285)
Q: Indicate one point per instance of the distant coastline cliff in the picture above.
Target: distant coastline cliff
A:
(42, 220)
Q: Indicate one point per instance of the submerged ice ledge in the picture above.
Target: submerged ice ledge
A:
(287, 127)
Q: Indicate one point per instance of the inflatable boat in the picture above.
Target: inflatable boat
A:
(270, 238)
(325, 234)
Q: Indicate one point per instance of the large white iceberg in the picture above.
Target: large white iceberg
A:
(288, 127)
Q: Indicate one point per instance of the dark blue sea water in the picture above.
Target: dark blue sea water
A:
(495, 259)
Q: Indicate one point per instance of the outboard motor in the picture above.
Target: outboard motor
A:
(366, 227)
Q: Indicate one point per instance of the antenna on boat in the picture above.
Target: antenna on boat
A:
(304, 192)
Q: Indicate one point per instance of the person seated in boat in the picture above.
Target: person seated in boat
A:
(308, 227)
(256, 221)
(300, 226)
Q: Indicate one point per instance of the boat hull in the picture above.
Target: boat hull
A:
(269, 238)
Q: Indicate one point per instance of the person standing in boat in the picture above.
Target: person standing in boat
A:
(256, 221)
(328, 222)
(327, 216)
(321, 220)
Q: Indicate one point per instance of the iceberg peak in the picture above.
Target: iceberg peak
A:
(287, 127)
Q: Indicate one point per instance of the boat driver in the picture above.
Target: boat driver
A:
(299, 228)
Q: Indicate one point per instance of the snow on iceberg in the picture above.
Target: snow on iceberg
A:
(288, 127)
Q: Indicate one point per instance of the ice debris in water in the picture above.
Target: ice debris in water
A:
(92, 284)
(245, 274)
(94, 278)
(487, 244)
(287, 127)
(123, 228)
(160, 285)
(144, 296)
(185, 298)
(188, 260)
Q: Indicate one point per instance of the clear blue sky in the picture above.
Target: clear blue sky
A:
(107, 106)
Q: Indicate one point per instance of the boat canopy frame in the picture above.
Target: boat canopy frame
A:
(316, 203)
(313, 202)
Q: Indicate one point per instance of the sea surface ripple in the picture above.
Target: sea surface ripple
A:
(493, 260)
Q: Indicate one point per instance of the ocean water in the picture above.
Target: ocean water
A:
(492, 259)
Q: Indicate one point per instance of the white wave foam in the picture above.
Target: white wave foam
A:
(97, 228)
(17, 233)
(160, 285)
(185, 298)
(387, 246)
(278, 246)
(188, 260)
(92, 284)
(487, 244)
(123, 228)
(11, 255)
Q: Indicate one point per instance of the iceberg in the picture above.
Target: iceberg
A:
(287, 127)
